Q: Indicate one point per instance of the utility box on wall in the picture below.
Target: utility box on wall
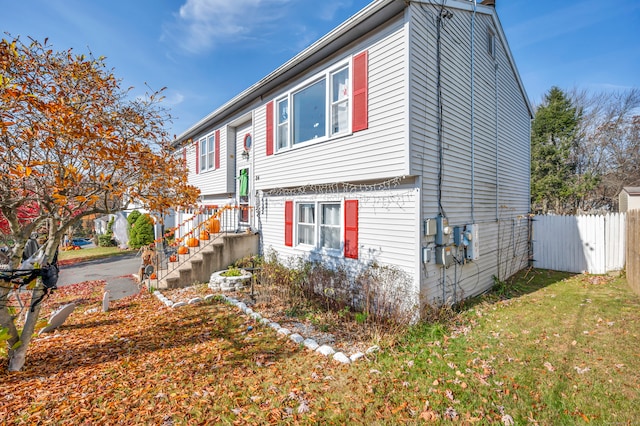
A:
(443, 255)
(471, 235)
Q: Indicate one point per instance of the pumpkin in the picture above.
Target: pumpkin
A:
(183, 250)
(173, 258)
(213, 225)
(76, 248)
(153, 276)
(204, 235)
(193, 242)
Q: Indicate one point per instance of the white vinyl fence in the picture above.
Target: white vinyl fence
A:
(593, 244)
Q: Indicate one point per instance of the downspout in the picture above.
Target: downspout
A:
(473, 136)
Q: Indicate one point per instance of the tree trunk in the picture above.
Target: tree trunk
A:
(6, 320)
(18, 355)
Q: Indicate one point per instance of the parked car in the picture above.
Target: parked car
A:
(81, 241)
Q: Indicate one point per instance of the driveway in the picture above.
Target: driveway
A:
(116, 271)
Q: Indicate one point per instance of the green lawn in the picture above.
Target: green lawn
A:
(72, 256)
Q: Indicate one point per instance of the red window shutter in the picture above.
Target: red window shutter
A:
(217, 154)
(360, 92)
(288, 223)
(351, 229)
(197, 157)
(270, 128)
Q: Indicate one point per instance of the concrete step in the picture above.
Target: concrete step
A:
(212, 255)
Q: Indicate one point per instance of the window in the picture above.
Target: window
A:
(326, 230)
(207, 153)
(315, 110)
(491, 43)
(283, 123)
(306, 224)
(330, 226)
(203, 154)
(211, 148)
(340, 101)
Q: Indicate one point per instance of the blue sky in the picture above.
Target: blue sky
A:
(207, 51)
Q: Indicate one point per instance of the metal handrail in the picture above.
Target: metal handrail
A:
(229, 223)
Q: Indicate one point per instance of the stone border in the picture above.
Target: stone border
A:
(296, 338)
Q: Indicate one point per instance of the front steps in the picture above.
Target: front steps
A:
(212, 255)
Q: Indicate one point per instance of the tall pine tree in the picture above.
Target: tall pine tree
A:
(553, 137)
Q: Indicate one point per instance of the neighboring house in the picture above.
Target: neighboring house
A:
(629, 199)
(400, 138)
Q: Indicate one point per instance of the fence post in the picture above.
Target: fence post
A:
(633, 250)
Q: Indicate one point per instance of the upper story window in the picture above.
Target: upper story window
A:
(315, 110)
(207, 152)
(340, 101)
(283, 124)
(491, 43)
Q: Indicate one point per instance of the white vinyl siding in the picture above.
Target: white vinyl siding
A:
(382, 213)
(485, 173)
(214, 181)
(377, 153)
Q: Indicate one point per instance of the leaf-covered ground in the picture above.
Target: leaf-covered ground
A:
(564, 351)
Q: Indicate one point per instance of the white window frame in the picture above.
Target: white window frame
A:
(207, 154)
(287, 124)
(317, 226)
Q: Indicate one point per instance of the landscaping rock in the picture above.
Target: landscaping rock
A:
(372, 349)
(194, 300)
(341, 357)
(178, 305)
(284, 331)
(326, 350)
(275, 326)
(311, 344)
(356, 356)
(296, 338)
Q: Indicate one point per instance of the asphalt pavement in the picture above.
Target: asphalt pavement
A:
(116, 271)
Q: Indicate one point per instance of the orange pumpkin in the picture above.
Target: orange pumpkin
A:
(76, 247)
(173, 258)
(204, 235)
(183, 250)
(153, 276)
(193, 242)
(213, 225)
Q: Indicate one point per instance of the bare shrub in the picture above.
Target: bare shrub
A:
(386, 296)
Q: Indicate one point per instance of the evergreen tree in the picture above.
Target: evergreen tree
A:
(133, 216)
(141, 233)
(553, 137)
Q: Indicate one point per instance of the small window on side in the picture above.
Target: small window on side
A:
(491, 43)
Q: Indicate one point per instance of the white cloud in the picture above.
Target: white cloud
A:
(201, 24)
(173, 98)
